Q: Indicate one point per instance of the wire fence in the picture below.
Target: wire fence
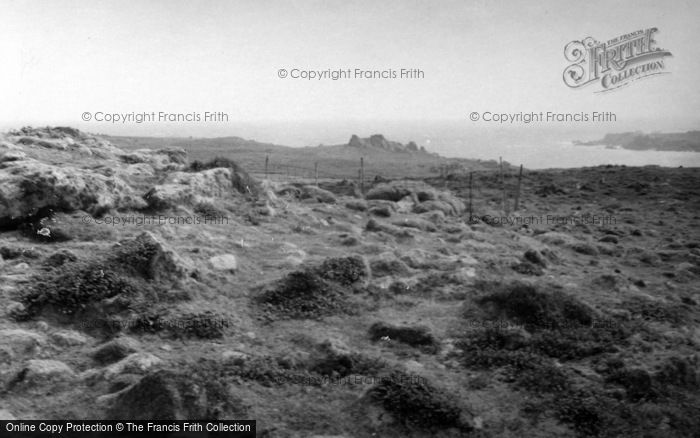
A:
(475, 183)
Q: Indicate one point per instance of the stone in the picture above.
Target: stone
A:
(162, 395)
(30, 186)
(190, 188)
(318, 194)
(68, 338)
(357, 205)
(136, 363)
(235, 357)
(17, 343)
(20, 267)
(115, 350)
(6, 415)
(14, 308)
(41, 372)
(224, 262)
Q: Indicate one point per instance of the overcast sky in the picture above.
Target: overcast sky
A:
(61, 58)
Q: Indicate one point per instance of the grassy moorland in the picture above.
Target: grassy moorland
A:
(138, 284)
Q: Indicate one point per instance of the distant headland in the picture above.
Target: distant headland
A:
(675, 141)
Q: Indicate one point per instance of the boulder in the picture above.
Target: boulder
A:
(68, 338)
(6, 415)
(388, 192)
(417, 223)
(377, 226)
(116, 349)
(388, 265)
(41, 372)
(136, 363)
(27, 187)
(357, 205)
(224, 262)
(318, 194)
(171, 395)
(17, 343)
(190, 188)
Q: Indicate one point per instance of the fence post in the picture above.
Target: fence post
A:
(470, 198)
(267, 163)
(316, 172)
(359, 179)
(362, 175)
(517, 191)
(503, 186)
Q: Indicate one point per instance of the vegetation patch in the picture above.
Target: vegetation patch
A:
(647, 309)
(626, 402)
(415, 336)
(145, 257)
(209, 210)
(305, 294)
(76, 288)
(199, 325)
(415, 402)
(343, 270)
(527, 268)
(525, 304)
(342, 365)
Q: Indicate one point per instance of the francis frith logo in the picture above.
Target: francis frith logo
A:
(614, 63)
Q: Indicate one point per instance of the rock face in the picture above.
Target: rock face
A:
(40, 172)
(378, 141)
(27, 186)
(16, 343)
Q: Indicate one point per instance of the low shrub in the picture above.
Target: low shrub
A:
(415, 402)
(76, 287)
(343, 270)
(527, 305)
(304, 294)
(418, 336)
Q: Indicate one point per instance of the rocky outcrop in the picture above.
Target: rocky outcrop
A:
(28, 186)
(63, 169)
(378, 141)
(191, 188)
(423, 197)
